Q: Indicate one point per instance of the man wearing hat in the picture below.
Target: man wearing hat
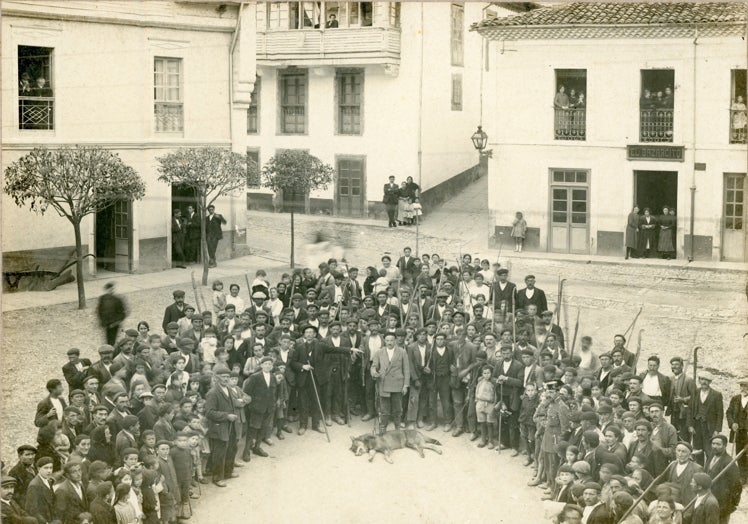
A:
(531, 295)
(503, 291)
(683, 471)
(371, 343)
(308, 358)
(595, 512)
(683, 390)
(224, 430)
(654, 460)
(339, 361)
(127, 437)
(10, 510)
(70, 496)
(664, 434)
(175, 311)
(707, 414)
(654, 384)
(111, 311)
(727, 488)
(40, 497)
(706, 507)
(262, 389)
(436, 312)
(390, 200)
(257, 305)
(737, 420)
(23, 471)
(391, 368)
(75, 370)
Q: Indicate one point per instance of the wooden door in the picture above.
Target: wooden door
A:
(733, 218)
(349, 192)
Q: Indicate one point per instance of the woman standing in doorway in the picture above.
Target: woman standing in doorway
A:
(647, 234)
(665, 240)
(632, 233)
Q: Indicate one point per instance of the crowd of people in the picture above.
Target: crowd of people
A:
(422, 344)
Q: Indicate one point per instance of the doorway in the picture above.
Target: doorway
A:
(569, 211)
(349, 188)
(182, 198)
(114, 237)
(734, 218)
(655, 190)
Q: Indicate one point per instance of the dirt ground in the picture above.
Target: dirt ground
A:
(312, 479)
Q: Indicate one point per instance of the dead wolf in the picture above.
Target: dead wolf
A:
(384, 444)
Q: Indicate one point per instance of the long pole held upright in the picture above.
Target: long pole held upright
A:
(319, 405)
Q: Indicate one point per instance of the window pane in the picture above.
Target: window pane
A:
(739, 210)
(729, 210)
(559, 194)
(559, 218)
(579, 206)
(579, 218)
(581, 177)
(738, 223)
(560, 205)
(579, 194)
(738, 196)
(558, 176)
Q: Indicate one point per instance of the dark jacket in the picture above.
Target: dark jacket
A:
(213, 226)
(712, 408)
(511, 391)
(171, 314)
(727, 489)
(218, 406)
(506, 294)
(111, 309)
(68, 505)
(538, 298)
(40, 501)
(707, 512)
(263, 396)
(42, 408)
(23, 480)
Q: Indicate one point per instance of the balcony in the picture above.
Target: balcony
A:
(738, 122)
(656, 125)
(36, 112)
(338, 47)
(169, 117)
(570, 124)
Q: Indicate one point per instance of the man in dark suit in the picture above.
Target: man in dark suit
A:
(408, 266)
(10, 510)
(652, 455)
(339, 360)
(654, 384)
(503, 290)
(706, 508)
(352, 286)
(684, 388)
(70, 496)
(390, 199)
(192, 237)
(52, 406)
(178, 235)
(419, 353)
(390, 367)
(464, 353)
(75, 370)
(223, 426)
(727, 489)
(531, 295)
(175, 311)
(40, 497)
(23, 471)
(100, 368)
(602, 375)
(737, 421)
(509, 375)
(262, 389)
(707, 414)
(213, 233)
(111, 311)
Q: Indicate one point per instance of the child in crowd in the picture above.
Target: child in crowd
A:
(208, 346)
(382, 282)
(519, 230)
(219, 298)
(281, 410)
(185, 323)
(181, 454)
(527, 427)
(485, 398)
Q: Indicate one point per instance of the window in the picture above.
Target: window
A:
(456, 92)
(167, 95)
(570, 104)
(273, 15)
(36, 101)
(656, 105)
(350, 101)
(253, 113)
(352, 14)
(293, 89)
(303, 15)
(570, 177)
(253, 167)
(738, 118)
(394, 14)
(457, 33)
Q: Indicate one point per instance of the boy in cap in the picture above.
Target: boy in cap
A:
(40, 498)
(261, 388)
(181, 455)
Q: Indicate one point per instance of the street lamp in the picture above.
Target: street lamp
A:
(480, 139)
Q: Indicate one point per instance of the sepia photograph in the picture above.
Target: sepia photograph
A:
(365, 262)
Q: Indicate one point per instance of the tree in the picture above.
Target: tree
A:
(211, 172)
(295, 172)
(75, 182)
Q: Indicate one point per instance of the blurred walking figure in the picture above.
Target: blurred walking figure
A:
(519, 229)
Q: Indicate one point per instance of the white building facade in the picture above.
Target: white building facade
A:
(373, 89)
(140, 79)
(656, 118)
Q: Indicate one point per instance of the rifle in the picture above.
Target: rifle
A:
(574, 340)
(638, 349)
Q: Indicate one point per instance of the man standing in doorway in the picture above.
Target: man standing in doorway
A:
(213, 233)
(391, 195)
(192, 241)
(177, 238)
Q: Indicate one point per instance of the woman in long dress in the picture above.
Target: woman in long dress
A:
(739, 119)
(665, 238)
(632, 233)
(647, 234)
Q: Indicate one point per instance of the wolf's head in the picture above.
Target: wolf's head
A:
(358, 446)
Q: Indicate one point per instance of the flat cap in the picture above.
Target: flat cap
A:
(259, 294)
(220, 369)
(43, 462)
(131, 332)
(25, 447)
(73, 351)
(106, 348)
(266, 359)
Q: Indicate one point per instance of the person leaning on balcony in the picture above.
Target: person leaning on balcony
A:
(561, 100)
(667, 100)
(332, 22)
(739, 118)
(41, 89)
(646, 101)
(24, 85)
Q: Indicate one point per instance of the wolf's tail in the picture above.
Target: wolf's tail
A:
(430, 440)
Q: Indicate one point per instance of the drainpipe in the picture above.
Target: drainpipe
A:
(693, 146)
(234, 38)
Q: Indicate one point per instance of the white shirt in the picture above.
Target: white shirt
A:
(238, 302)
(703, 394)
(267, 378)
(529, 294)
(651, 386)
(679, 468)
(700, 499)
(422, 351)
(587, 511)
(375, 344)
(743, 400)
(528, 370)
(390, 353)
(58, 407)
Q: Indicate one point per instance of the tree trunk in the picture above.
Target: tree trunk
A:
(204, 241)
(79, 265)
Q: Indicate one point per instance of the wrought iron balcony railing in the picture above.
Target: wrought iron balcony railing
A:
(169, 117)
(656, 125)
(570, 124)
(35, 112)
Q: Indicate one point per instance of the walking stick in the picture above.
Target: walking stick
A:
(557, 313)
(633, 322)
(574, 340)
(695, 360)
(638, 349)
(716, 478)
(501, 401)
(651, 485)
(194, 290)
(319, 405)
